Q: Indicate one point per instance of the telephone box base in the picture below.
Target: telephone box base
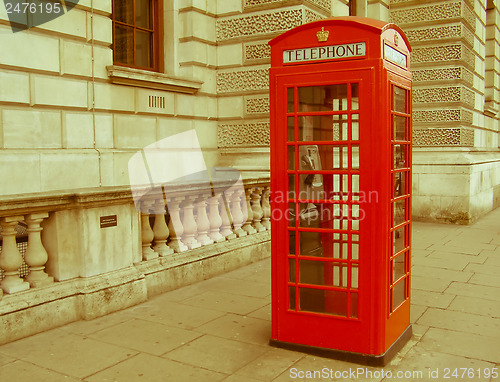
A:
(341, 355)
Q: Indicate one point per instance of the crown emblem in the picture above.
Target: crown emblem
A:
(322, 35)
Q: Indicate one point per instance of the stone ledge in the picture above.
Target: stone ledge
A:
(153, 80)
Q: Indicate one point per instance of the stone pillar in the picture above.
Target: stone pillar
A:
(248, 224)
(224, 207)
(202, 221)
(147, 234)
(188, 222)
(258, 213)
(215, 219)
(175, 225)
(10, 257)
(266, 208)
(36, 255)
(237, 213)
(160, 230)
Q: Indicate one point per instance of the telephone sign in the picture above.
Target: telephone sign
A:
(340, 92)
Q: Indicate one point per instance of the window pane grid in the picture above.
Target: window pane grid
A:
(324, 119)
(140, 50)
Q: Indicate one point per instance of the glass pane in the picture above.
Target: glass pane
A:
(336, 186)
(323, 128)
(310, 244)
(355, 187)
(399, 184)
(291, 186)
(355, 247)
(340, 246)
(291, 157)
(291, 214)
(291, 129)
(323, 98)
(143, 49)
(340, 157)
(354, 276)
(354, 305)
(398, 294)
(143, 14)
(355, 127)
(399, 212)
(398, 267)
(399, 156)
(355, 157)
(291, 270)
(290, 100)
(314, 272)
(291, 294)
(323, 301)
(399, 128)
(399, 240)
(123, 11)
(399, 99)
(354, 96)
(124, 45)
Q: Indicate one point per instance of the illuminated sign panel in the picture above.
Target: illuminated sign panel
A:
(395, 56)
(331, 52)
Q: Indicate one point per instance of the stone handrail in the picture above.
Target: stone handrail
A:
(186, 217)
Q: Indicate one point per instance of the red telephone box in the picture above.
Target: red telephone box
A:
(340, 93)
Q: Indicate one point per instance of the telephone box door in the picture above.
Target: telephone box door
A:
(323, 130)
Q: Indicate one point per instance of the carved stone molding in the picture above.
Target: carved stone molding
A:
(442, 115)
(443, 11)
(242, 80)
(310, 16)
(324, 4)
(442, 32)
(442, 74)
(450, 52)
(444, 94)
(243, 134)
(458, 136)
(256, 105)
(256, 52)
(258, 24)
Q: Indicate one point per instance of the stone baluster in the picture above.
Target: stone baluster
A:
(147, 233)
(258, 213)
(189, 223)
(236, 212)
(266, 208)
(202, 221)
(248, 224)
(175, 225)
(160, 230)
(224, 207)
(215, 218)
(10, 257)
(36, 255)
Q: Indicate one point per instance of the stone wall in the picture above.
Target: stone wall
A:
(69, 119)
(455, 113)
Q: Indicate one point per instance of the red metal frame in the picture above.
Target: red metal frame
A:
(374, 326)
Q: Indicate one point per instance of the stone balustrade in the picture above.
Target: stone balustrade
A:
(181, 221)
(166, 224)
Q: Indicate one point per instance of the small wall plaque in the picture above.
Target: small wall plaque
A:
(108, 221)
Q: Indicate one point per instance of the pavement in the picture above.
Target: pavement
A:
(218, 329)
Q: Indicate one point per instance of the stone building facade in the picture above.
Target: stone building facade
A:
(78, 99)
(71, 118)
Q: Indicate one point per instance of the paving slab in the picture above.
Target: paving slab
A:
(218, 329)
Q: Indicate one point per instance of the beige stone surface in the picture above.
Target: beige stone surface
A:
(218, 329)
